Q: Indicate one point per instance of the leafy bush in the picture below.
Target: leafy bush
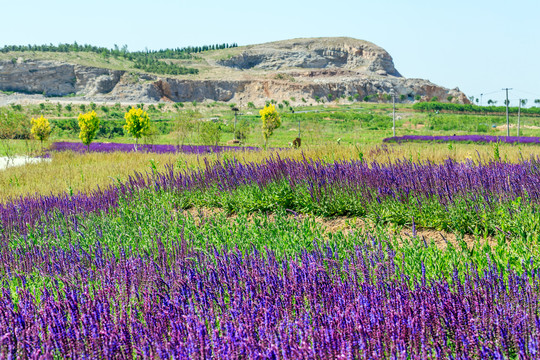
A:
(210, 133)
(471, 108)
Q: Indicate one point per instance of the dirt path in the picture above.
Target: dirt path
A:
(347, 225)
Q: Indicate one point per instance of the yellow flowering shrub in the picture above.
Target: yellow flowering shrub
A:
(41, 129)
(137, 123)
(89, 125)
(270, 121)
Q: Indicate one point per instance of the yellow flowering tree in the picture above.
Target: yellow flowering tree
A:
(89, 125)
(41, 129)
(137, 123)
(270, 121)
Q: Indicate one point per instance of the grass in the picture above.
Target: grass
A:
(141, 220)
(70, 172)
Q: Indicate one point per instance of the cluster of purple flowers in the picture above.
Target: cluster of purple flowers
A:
(367, 182)
(466, 138)
(161, 149)
(194, 304)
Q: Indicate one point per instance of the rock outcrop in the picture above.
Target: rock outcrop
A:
(300, 69)
(343, 53)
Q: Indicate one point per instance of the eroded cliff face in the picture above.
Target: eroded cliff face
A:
(325, 53)
(56, 78)
(299, 68)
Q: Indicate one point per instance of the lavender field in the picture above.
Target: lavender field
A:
(466, 138)
(142, 269)
(158, 148)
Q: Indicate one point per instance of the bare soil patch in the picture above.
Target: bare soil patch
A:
(357, 225)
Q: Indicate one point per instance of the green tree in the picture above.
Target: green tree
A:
(210, 133)
(270, 121)
(89, 125)
(137, 123)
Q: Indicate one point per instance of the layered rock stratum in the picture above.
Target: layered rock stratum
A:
(299, 69)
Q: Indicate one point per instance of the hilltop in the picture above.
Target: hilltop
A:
(301, 70)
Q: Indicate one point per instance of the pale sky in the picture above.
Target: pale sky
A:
(478, 46)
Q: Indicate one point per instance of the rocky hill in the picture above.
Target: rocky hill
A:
(298, 68)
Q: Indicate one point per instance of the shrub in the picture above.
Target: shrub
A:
(270, 121)
(89, 125)
(210, 133)
(137, 123)
(41, 129)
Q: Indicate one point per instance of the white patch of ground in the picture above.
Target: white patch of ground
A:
(6, 161)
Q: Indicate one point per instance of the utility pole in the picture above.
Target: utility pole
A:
(235, 109)
(507, 117)
(519, 114)
(394, 112)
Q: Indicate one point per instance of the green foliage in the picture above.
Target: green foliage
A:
(250, 105)
(137, 220)
(468, 123)
(470, 108)
(242, 130)
(496, 152)
(13, 125)
(150, 61)
(210, 133)
(157, 66)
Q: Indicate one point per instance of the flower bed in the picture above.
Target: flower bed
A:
(161, 149)
(466, 138)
